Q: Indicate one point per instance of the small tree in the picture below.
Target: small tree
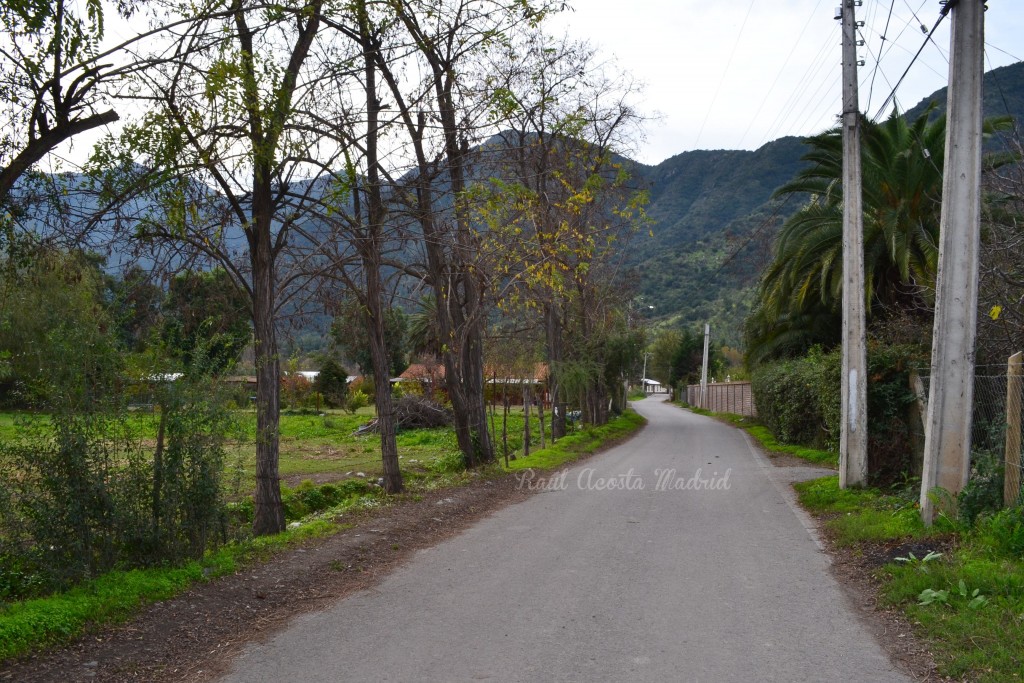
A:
(332, 383)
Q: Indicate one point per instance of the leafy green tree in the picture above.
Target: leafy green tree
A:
(46, 296)
(205, 311)
(332, 383)
(661, 354)
(801, 290)
(136, 303)
(688, 360)
(352, 338)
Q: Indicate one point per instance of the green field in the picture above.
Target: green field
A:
(319, 447)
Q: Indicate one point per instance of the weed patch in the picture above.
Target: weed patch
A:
(33, 624)
(967, 604)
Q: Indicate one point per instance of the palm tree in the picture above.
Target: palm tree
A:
(801, 290)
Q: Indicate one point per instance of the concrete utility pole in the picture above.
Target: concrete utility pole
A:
(947, 441)
(704, 368)
(853, 437)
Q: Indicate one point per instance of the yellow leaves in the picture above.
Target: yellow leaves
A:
(995, 312)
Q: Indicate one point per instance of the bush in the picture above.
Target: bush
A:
(332, 383)
(788, 398)
(799, 401)
(356, 400)
(91, 490)
(308, 498)
(984, 490)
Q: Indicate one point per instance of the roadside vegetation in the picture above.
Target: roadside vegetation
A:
(960, 582)
(583, 442)
(334, 472)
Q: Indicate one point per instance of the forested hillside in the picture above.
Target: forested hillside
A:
(714, 207)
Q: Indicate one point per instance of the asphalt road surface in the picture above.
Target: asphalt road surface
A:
(677, 556)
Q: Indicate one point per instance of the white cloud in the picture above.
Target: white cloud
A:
(783, 77)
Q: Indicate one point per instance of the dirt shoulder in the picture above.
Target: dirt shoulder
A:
(193, 637)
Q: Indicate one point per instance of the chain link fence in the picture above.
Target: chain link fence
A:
(996, 460)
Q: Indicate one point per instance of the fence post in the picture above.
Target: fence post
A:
(1011, 479)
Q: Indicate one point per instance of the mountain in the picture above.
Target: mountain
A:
(714, 220)
(1003, 93)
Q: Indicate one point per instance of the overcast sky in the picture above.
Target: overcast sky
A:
(735, 74)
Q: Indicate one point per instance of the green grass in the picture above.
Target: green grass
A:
(862, 514)
(983, 643)
(571, 447)
(969, 641)
(33, 624)
(768, 440)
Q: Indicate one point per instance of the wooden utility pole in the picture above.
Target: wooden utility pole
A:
(853, 437)
(704, 368)
(947, 441)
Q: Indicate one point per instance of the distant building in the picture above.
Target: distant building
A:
(653, 386)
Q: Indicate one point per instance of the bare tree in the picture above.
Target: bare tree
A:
(229, 149)
(568, 117)
(51, 81)
(443, 116)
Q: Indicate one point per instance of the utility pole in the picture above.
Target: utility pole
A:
(853, 437)
(704, 368)
(947, 441)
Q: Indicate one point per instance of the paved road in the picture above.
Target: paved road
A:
(581, 584)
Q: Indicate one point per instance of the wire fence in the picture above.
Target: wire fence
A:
(995, 425)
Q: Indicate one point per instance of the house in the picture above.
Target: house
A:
(653, 386)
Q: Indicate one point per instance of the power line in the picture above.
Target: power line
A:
(881, 50)
(778, 74)
(728, 64)
(892, 94)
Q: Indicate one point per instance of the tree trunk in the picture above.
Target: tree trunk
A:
(370, 246)
(540, 419)
(269, 510)
(158, 476)
(504, 421)
(553, 336)
(526, 421)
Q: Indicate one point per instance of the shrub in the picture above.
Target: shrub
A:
(788, 399)
(984, 490)
(799, 400)
(91, 493)
(332, 383)
(356, 400)
(308, 498)
(1004, 531)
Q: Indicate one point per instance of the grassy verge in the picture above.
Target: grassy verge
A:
(967, 604)
(430, 461)
(768, 440)
(571, 447)
(112, 598)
